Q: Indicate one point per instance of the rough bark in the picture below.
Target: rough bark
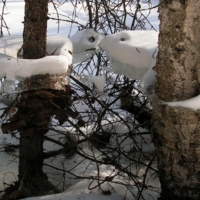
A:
(35, 28)
(176, 134)
(31, 133)
(34, 114)
(176, 130)
(178, 60)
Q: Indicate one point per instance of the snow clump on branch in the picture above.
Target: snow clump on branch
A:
(133, 54)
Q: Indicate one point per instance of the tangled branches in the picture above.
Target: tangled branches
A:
(106, 139)
(3, 21)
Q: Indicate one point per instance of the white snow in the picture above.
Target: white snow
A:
(133, 54)
(14, 17)
(56, 45)
(193, 103)
(85, 40)
(59, 49)
(14, 68)
(78, 195)
(85, 44)
(99, 81)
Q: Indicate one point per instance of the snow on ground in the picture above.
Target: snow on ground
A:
(99, 81)
(88, 168)
(15, 16)
(82, 196)
(120, 125)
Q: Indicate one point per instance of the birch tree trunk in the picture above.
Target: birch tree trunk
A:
(176, 130)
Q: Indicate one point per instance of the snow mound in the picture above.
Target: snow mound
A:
(133, 54)
(59, 50)
(24, 68)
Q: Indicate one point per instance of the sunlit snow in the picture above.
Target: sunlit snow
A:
(13, 67)
(193, 103)
(85, 44)
(23, 68)
(133, 54)
(56, 45)
(134, 48)
(85, 40)
(59, 50)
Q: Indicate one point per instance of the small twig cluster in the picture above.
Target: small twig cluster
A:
(3, 21)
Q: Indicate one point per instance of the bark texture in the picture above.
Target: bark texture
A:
(176, 130)
(178, 60)
(42, 97)
(35, 28)
(34, 115)
(176, 134)
(32, 127)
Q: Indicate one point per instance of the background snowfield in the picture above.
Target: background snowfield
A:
(76, 188)
(15, 17)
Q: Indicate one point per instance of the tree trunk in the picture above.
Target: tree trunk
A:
(35, 28)
(176, 130)
(177, 138)
(35, 110)
(31, 136)
(42, 96)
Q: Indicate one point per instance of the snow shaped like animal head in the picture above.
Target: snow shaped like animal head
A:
(85, 40)
(133, 48)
